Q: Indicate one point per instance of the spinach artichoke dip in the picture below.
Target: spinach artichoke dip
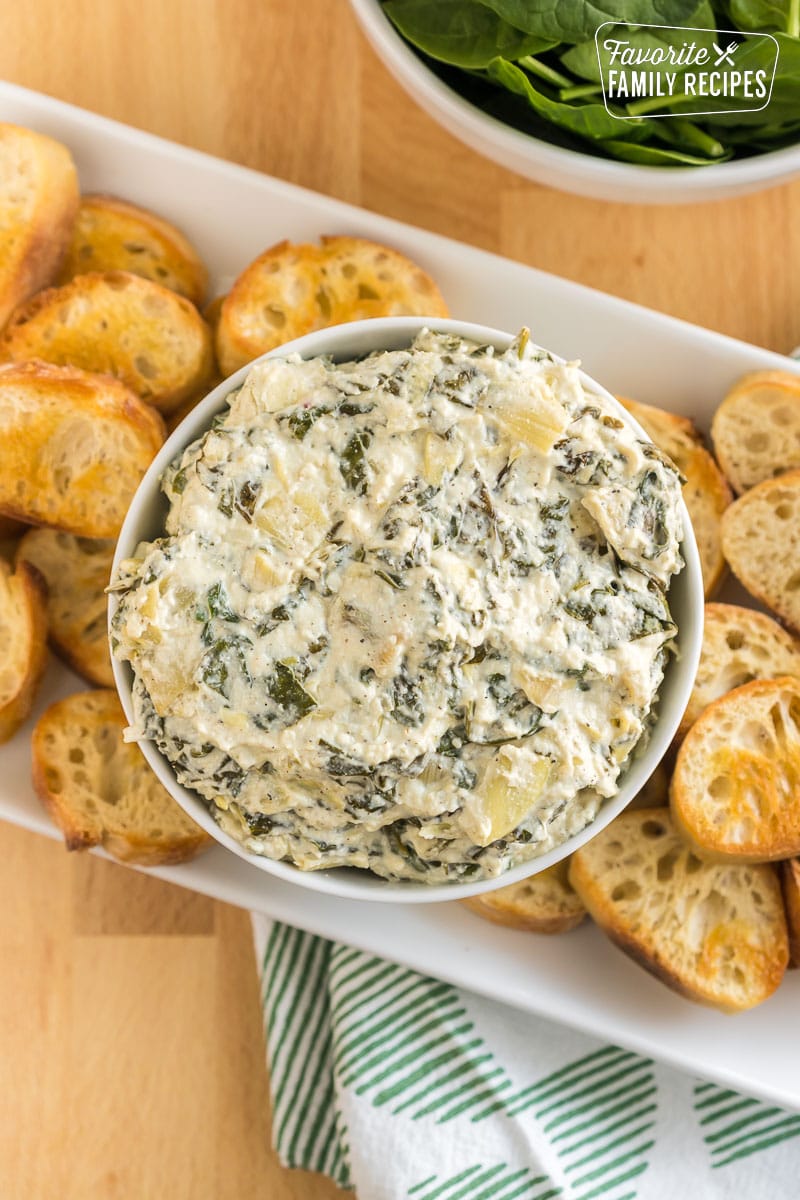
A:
(409, 613)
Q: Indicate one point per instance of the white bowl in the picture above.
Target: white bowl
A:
(145, 521)
(583, 174)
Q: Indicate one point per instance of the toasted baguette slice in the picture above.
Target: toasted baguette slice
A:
(77, 572)
(10, 529)
(761, 541)
(655, 792)
(292, 289)
(120, 324)
(735, 791)
(174, 419)
(23, 643)
(714, 932)
(739, 645)
(756, 429)
(113, 235)
(790, 882)
(73, 447)
(545, 903)
(99, 789)
(8, 545)
(706, 490)
(212, 313)
(38, 205)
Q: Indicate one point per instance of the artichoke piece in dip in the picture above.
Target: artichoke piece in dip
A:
(409, 613)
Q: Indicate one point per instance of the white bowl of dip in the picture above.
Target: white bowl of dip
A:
(145, 521)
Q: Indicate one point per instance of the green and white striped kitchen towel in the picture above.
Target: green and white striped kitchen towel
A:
(401, 1086)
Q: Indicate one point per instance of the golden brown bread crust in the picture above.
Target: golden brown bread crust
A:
(790, 882)
(656, 967)
(26, 625)
(735, 790)
(174, 419)
(761, 542)
(99, 790)
(653, 964)
(655, 791)
(290, 290)
(712, 954)
(212, 313)
(10, 529)
(739, 645)
(74, 447)
(756, 429)
(111, 234)
(38, 204)
(510, 918)
(544, 903)
(77, 571)
(118, 324)
(706, 491)
(89, 667)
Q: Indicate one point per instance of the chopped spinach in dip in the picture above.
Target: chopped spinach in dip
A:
(409, 613)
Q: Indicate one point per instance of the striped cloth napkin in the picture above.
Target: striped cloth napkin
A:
(401, 1086)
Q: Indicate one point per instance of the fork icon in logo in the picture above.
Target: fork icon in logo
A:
(726, 55)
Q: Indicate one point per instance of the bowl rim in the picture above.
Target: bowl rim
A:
(427, 89)
(355, 884)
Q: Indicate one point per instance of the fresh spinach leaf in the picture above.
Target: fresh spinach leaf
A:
(572, 21)
(548, 86)
(592, 121)
(464, 33)
(682, 134)
(783, 107)
(781, 16)
(658, 156)
(582, 59)
(784, 102)
(752, 140)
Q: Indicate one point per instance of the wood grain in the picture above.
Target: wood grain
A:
(130, 1042)
(130, 1039)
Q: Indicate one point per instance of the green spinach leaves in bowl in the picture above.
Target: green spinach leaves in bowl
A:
(533, 64)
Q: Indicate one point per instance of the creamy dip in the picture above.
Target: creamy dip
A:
(409, 613)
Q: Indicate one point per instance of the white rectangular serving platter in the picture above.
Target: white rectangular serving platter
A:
(578, 979)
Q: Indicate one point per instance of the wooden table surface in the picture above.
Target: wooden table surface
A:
(131, 1051)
